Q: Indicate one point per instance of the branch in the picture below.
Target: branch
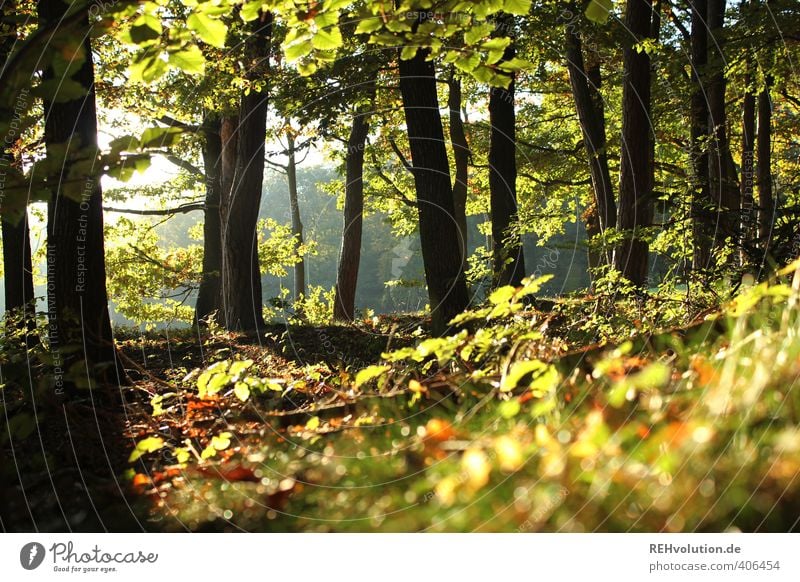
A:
(403, 160)
(183, 208)
(172, 122)
(181, 163)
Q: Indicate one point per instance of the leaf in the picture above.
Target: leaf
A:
(158, 137)
(369, 373)
(313, 423)
(598, 10)
(518, 7)
(210, 30)
(148, 445)
(190, 60)
(242, 391)
(297, 49)
(476, 466)
(543, 375)
(502, 295)
(327, 40)
(509, 453)
(239, 366)
(509, 408)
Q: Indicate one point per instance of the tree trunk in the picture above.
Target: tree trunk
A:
(748, 171)
(441, 252)
(18, 275)
(241, 274)
(509, 258)
(635, 203)
(350, 255)
(702, 217)
(209, 295)
(461, 153)
(76, 273)
(722, 179)
(297, 223)
(766, 201)
(589, 107)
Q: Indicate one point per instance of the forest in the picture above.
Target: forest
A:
(420, 265)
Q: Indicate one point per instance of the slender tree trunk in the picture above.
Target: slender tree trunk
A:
(241, 274)
(350, 255)
(297, 223)
(635, 203)
(209, 295)
(766, 200)
(18, 272)
(461, 153)
(748, 221)
(722, 180)
(509, 257)
(441, 252)
(589, 107)
(76, 273)
(702, 217)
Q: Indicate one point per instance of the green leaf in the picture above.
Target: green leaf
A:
(189, 60)
(502, 295)
(148, 445)
(518, 7)
(239, 366)
(509, 408)
(210, 30)
(598, 10)
(327, 40)
(313, 423)
(250, 10)
(297, 49)
(242, 391)
(519, 370)
(158, 137)
(369, 373)
(369, 24)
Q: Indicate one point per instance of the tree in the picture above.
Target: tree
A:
(241, 277)
(766, 201)
(18, 271)
(80, 328)
(635, 181)
(461, 155)
(585, 83)
(441, 251)
(209, 294)
(350, 254)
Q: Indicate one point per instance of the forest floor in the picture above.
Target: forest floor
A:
(692, 428)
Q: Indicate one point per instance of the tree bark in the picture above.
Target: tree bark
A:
(702, 217)
(209, 295)
(241, 274)
(461, 153)
(589, 107)
(18, 271)
(441, 252)
(635, 202)
(76, 273)
(350, 255)
(748, 223)
(722, 180)
(509, 257)
(297, 224)
(766, 200)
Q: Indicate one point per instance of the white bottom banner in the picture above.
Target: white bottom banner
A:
(394, 557)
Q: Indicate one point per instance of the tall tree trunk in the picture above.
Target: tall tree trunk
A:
(509, 257)
(748, 221)
(209, 295)
(702, 217)
(722, 180)
(18, 272)
(461, 153)
(297, 223)
(350, 255)
(589, 107)
(766, 200)
(76, 272)
(635, 202)
(441, 252)
(241, 274)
